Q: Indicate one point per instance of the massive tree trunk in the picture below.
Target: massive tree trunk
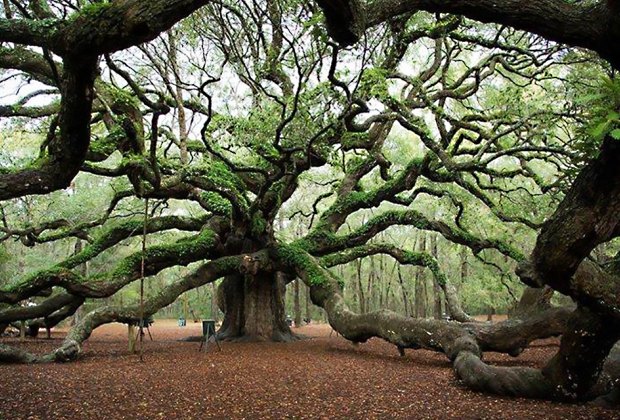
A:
(253, 307)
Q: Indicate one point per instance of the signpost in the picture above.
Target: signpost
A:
(208, 331)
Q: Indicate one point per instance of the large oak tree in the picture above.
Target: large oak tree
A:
(308, 105)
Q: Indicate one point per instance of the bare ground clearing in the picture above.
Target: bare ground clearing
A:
(320, 377)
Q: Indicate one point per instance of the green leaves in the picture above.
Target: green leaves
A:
(602, 106)
(615, 133)
(375, 83)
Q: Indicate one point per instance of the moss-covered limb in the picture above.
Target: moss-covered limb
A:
(402, 331)
(157, 258)
(205, 274)
(32, 285)
(107, 27)
(349, 200)
(102, 148)
(71, 347)
(322, 243)
(183, 252)
(28, 32)
(19, 110)
(228, 191)
(30, 62)
(45, 308)
(60, 273)
(404, 257)
(30, 235)
(129, 229)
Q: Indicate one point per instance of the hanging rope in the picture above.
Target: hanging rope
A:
(141, 325)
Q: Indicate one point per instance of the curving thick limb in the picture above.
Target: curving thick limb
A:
(71, 347)
(566, 377)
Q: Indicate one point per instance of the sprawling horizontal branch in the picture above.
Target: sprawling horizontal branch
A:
(27, 32)
(72, 345)
(595, 26)
(320, 242)
(55, 317)
(108, 27)
(157, 258)
(100, 27)
(129, 229)
(31, 63)
(45, 308)
(464, 343)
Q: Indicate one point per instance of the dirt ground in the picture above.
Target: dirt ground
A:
(320, 377)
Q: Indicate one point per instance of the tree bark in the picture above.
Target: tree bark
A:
(533, 300)
(307, 289)
(360, 287)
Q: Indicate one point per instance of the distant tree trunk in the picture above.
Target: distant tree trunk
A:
(490, 313)
(464, 265)
(403, 290)
(383, 280)
(308, 317)
(370, 285)
(297, 305)
(131, 338)
(214, 309)
(83, 270)
(420, 282)
(388, 286)
(178, 97)
(254, 308)
(360, 287)
(437, 292)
